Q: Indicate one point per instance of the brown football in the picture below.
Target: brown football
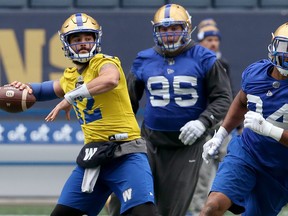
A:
(13, 100)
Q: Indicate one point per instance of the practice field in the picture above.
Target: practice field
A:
(45, 210)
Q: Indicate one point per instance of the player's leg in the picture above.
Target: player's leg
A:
(73, 201)
(61, 210)
(269, 196)
(175, 177)
(216, 204)
(113, 205)
(146, 209)
(234, 181)
(132, 182)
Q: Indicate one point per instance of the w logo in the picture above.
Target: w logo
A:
(127, 194)
(89, 152)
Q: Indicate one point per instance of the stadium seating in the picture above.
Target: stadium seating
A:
(138, 4)
(50, 3)
(192, 3)
(235, 3)
(96, 3)
(274, 3)
(13, 3)
(142, 3)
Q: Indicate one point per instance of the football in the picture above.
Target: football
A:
(13, 100)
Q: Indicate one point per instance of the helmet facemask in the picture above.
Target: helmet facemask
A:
(172, 35)
(278, 54)
(76, 24)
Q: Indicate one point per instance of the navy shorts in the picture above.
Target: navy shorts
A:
(251, 187)
(129, 177)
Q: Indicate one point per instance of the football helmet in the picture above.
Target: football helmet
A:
(278, 49)
(169, 15)
(78, 23)
(207, 22)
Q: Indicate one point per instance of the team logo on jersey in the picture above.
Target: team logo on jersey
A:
(269, 93)
(79, 82)
(170, 71)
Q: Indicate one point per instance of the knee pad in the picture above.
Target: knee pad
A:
(146, 209)
(61, 210)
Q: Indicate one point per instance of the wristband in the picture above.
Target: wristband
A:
(276, 133)
(221, 133)
(77, 93)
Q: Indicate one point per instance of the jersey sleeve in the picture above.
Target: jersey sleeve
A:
(137, 67)
(219, 95)
(207, 58)
(246, 77)
(100, 59)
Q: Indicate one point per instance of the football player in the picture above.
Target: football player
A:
(187, 92)
(96, 89)
(253, 178)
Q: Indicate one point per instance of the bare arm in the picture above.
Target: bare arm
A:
(236, 112)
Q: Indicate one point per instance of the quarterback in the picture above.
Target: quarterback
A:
(114, 157)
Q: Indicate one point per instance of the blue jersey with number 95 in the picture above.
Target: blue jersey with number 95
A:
(175, 90)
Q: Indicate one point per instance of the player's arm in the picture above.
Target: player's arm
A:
(236, 112)
(48, 90)
(233, 118)
(219, 94)
(107, 80)
(136, 88)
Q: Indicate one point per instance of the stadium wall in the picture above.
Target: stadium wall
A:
(34, 159)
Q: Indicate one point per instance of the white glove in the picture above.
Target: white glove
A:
(211, 147)
(191, 131)
(258, 124)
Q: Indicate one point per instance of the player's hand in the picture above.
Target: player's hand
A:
(191, 131)
(63, 105)
(21, 86)
(258, 124)
(211, 147)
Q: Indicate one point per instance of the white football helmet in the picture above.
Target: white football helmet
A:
(278, 49)
(77, 23)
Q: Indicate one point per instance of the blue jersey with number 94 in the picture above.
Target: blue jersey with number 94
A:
(269, 97)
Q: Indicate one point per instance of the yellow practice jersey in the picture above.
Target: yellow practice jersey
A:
(105, 114)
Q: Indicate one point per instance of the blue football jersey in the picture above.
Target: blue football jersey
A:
(174, 86)
(268, 97)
